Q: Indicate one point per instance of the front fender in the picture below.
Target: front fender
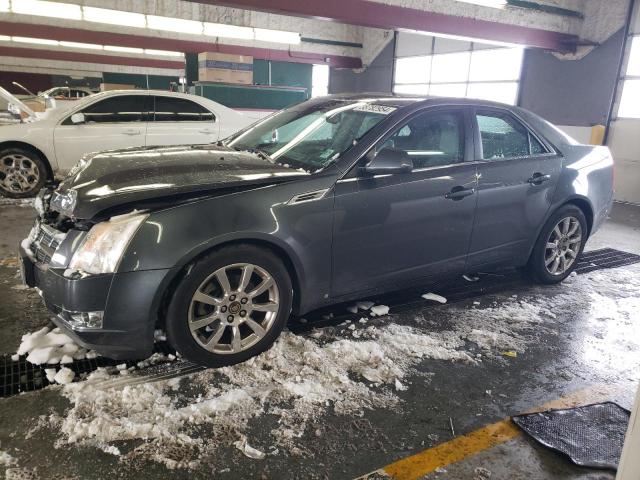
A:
(173, 237)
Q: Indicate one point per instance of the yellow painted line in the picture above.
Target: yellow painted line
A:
(459, 448)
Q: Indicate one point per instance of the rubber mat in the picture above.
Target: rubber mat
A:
(21, 376)
(591, 436)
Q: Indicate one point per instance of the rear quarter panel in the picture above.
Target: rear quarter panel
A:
(587, 174)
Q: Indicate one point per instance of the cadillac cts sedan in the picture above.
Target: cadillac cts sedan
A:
(337, 198)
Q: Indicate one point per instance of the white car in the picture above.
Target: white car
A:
(44, 146)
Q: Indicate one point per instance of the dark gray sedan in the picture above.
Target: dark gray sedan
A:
(334, 199)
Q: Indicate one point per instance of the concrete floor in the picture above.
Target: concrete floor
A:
(578, 350)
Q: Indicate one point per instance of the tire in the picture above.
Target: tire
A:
(22, 173)
(569, 245)
(199, 303)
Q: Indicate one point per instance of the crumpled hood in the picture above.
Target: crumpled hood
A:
(108, 179)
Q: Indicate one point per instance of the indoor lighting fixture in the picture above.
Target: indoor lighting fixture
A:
(140, 20)
(39, 41)
(115, 48)
(278, 36)
(228, 31)
(43, 8)
(91, 46)
(165, 53)
(5, 38)
(179, 25)
(114, 17)
(487, 3)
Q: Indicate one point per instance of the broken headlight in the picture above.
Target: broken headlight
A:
(64, 203)
(104, 245)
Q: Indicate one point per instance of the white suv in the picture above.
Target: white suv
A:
(49, 144)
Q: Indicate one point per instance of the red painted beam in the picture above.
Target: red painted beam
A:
(379, 15)
(88, 57)
(186, 46)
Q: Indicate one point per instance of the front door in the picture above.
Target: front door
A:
(390, 229)
(517, 176)
(115, 122)
(178, 121)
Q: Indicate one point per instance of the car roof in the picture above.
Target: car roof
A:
(401, 100)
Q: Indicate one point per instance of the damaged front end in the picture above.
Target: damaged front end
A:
(72, 263)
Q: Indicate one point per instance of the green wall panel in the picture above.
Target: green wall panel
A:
(240, 96)
(155, 82)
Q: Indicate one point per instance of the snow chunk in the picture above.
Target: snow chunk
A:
(379, 310)
(46, 346)
(365, 305)
(248, 450)
(435, 297)
(6, 460)
(65, 375)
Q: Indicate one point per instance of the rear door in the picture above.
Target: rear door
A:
(390, 229)
(179, 121)
(115, 122)
(517, 176)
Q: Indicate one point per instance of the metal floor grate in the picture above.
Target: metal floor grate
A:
(22, 376)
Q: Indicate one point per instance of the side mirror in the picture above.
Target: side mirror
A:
(77, 118)
(389, 160)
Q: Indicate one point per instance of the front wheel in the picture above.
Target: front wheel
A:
(22, 173)
(559, 246)
(230, 306)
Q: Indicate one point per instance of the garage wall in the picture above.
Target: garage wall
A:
(377, 77)
(575, 93)
(624, 138)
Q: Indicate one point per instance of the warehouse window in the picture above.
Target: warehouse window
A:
(489, 74)
(320, 80)
(630, 98)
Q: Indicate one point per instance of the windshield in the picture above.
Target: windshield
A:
(311, 136)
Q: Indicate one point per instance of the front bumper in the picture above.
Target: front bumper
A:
(128, 300)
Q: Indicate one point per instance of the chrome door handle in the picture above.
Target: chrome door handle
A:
(538, 178)
(206, 132)
(131, 132)
(458, 193)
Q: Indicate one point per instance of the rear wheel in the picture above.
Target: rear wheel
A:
(231, 306)
(559, 246)
(22, 173)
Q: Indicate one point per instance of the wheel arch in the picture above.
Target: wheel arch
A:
(582, 203)
(36, 150)
(288, 258)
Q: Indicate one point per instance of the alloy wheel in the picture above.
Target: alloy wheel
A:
(563, 246)
(233, 308)
(18, 173)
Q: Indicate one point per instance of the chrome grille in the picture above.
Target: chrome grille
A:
(46, 242)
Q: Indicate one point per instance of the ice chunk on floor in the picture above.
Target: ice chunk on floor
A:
(379, 310)
(364, 305)
(435, 297)
(65, 375)
(248, 450)
(47, 346)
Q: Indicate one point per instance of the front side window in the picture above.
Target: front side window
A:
(504, 137)
(431, 139)
(311, 136)
(119, 109)
(168, 109)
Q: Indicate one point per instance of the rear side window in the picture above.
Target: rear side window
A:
(119, 109)
(168, 109)
(504, 137)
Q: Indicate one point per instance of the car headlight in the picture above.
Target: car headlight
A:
(104, 245)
